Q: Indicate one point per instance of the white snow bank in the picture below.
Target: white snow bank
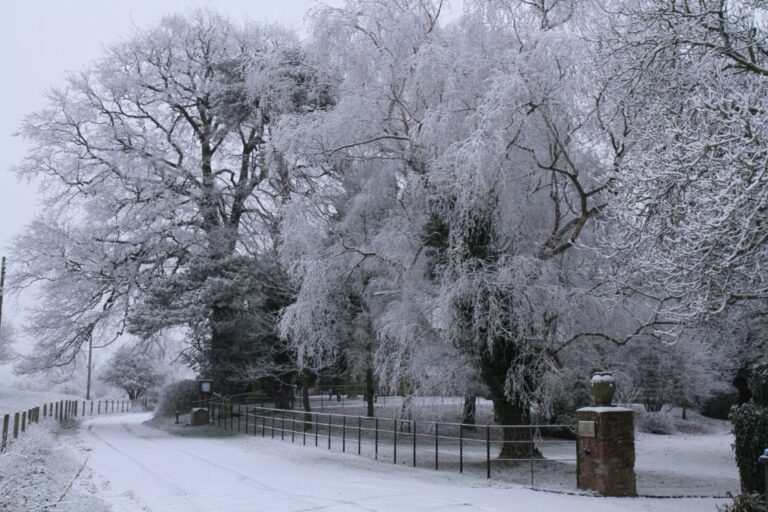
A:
(36, 473)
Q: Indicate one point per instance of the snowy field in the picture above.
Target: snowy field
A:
(699, 462)
(119, 463)
(16, 400)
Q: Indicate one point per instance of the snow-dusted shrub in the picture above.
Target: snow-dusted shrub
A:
(658, 422)
(744, 503)
(21, 465)
(179, 396)
(750, 426)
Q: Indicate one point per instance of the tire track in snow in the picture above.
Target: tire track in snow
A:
(180, 491)
(310, 500)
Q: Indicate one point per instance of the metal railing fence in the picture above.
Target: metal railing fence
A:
(513, 451)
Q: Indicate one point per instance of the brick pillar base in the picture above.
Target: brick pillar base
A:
(606, 451)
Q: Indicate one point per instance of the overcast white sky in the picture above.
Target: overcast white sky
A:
(41, 41)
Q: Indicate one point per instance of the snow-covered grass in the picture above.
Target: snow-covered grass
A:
(37, 470)
(161, 466)
(697, 459)
(18, 400)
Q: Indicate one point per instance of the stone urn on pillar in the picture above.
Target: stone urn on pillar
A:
(606, 442)
(603, 388)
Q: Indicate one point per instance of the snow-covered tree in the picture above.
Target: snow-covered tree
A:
(690, 202)
(135, 369)
(155, 156)
(487, 146)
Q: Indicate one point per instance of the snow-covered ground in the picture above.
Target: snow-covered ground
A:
(686, 464)
(133, 466)
(17, 400)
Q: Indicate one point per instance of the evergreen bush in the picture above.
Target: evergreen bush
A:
(750, 427)
(179, 396)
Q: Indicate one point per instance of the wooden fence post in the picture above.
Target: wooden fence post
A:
(24, 421)
(4, 443)
(15, 425)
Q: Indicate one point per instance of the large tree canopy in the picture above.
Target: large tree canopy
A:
(690, 207)
(153, 157)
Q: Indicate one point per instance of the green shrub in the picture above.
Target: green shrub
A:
(758, 384)
(750, 427)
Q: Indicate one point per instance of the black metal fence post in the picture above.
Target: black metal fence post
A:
(329, 431)
(461, 448)
(359, 434)
(394, 443)
(343, 434)
(437, 445)
(282, 425)
(530, 450)
(317, 428)
(376, 441)
(487, 451)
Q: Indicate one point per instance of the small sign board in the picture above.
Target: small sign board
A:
(586, 429)
(205, 387)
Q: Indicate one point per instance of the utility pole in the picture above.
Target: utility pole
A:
(2, 288)
(90, 351)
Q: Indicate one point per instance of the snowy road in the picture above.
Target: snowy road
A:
(136, 467)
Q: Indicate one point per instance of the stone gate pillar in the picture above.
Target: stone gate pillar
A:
(606, 450)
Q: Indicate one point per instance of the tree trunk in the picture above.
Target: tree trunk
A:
(470, 408)
(518, 442)
(369, 391)
(283, 397)
(221, 359)
(741, 383)
(305, 401)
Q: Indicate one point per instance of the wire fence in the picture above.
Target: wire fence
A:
(528, 454)
(16, 424)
